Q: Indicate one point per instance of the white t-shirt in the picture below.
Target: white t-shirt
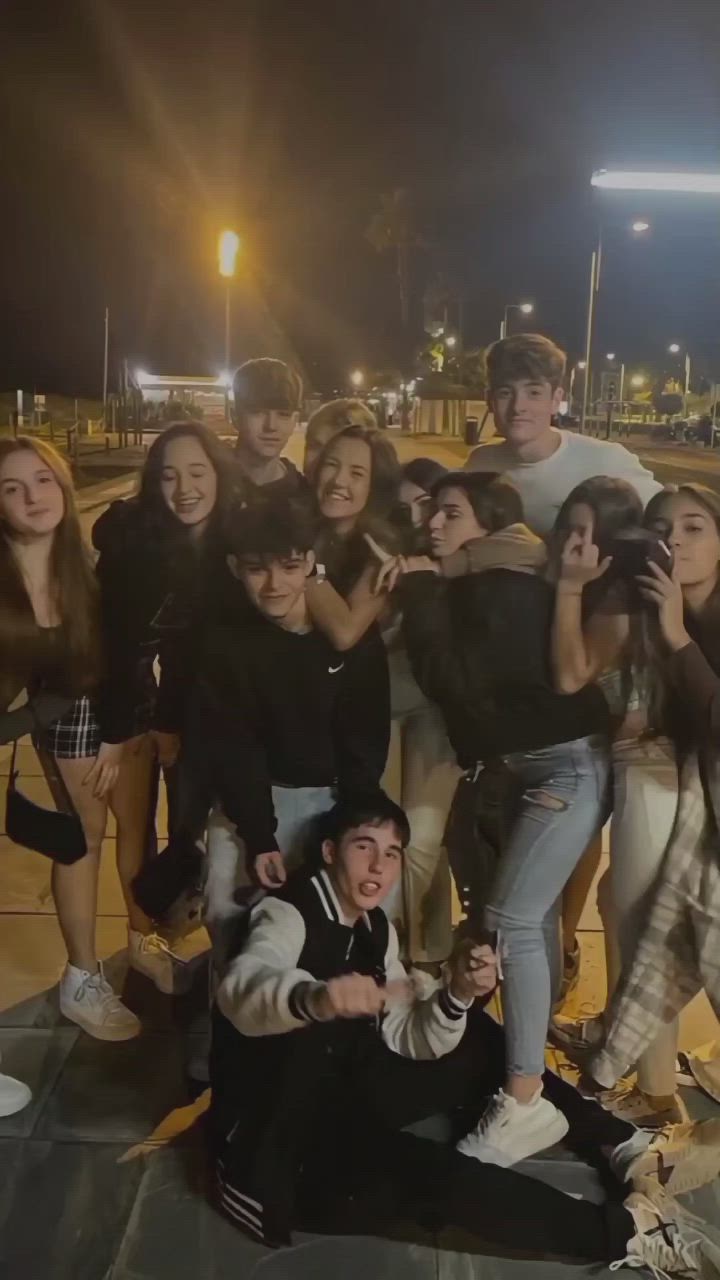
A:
(544, 486)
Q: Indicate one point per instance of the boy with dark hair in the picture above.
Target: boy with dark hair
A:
(525, 377)
(323, 1055)
(267, 402)
(279, 721)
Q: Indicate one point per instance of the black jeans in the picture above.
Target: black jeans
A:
(365, 1173)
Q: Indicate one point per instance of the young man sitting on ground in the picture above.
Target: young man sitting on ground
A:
(323, 1055)
(279, 722)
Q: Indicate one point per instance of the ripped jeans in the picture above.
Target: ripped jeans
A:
(559, 806)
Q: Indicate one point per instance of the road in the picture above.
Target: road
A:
(670, 464)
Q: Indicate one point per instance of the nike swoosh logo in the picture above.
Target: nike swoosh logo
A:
(334, 670)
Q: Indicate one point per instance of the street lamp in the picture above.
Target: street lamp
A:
(580, 365)
(228, 248)
(639, 226)
(637, 381)
(526, 308)
(674, 350)
(637, 180)
(610, 355)
(451, 341)
(357, 378)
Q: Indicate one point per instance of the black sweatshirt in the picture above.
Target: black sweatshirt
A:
(479, 647)
(274, 706)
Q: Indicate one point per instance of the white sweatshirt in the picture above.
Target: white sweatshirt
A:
(263, 990)
(544, 486)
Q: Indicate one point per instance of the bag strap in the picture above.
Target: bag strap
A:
(13, 757)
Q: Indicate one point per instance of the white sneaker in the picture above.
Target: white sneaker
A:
(509, 1132)
(89, 1000)
(14, 1095)
(150, 954)
(681, 1157)
(668, 1241)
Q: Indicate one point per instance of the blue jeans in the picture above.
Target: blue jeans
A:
(558, 809)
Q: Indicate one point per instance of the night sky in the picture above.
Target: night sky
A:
(132, 130)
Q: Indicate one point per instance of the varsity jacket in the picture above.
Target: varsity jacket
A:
(273, 1069)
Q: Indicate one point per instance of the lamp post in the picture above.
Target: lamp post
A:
(357, 379)
(526, 308)
(638, 180)
(674, 350)
(571, 386)
(228, 248)
(639, 227)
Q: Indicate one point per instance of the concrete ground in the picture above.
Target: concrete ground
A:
(103, 1176)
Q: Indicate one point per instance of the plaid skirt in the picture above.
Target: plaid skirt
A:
(76, 735)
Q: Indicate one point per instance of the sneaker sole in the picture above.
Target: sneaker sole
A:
(16, 1108)
(100, 1032)
(696, 1163)
(552, 1134)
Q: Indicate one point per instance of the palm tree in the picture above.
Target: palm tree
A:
(393, 228)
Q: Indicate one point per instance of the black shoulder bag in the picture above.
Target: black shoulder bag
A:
(59, 835)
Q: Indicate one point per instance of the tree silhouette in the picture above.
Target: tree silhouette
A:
(393, 229)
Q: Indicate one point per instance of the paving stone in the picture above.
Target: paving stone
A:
(36, 1057)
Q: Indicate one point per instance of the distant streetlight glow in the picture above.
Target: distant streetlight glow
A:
(640, 225)
(674, 348)
(451, 341)
(357, 378)
(611, 355)
(142, 375)
(638, 380)
(640, 180)
(581, 364)
(526, 307)
(228, 248)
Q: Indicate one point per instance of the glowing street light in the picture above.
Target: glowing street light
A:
(357, 378)
(526, 308)
(652, 180)
(451, 341)
(638, 380)
(228, 249)
(674, 348)
(610, 355)
(581, 364)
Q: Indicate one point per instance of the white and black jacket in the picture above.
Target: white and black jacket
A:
(269, 1058)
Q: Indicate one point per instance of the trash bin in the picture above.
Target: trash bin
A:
(472, 430)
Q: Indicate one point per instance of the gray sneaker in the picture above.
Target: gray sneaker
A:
(88, 1000)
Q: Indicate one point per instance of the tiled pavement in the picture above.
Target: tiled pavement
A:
(102, 1177)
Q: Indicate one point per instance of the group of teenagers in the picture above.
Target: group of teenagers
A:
(535, 642)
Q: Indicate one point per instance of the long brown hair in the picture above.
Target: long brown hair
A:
(73, 586)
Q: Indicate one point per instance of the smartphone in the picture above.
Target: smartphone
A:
(632, 549)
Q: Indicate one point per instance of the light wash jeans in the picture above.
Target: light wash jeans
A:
(428, 776)
(295, 807)
(560, 809)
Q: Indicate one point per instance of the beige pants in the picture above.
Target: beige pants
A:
(644, 807)
(424, 784)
